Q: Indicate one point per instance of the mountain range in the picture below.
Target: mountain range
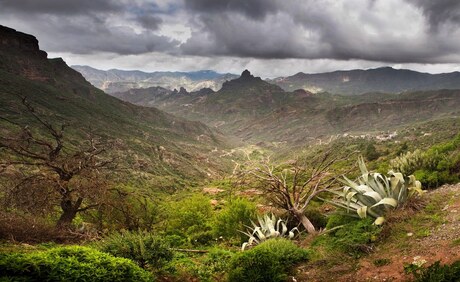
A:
(257, 111)
(115, 80)
(355, 82)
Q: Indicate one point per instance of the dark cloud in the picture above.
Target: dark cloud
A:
(312, 29)
(65, 7)
(439, 12)
(86, 35)
(254, 8)
(91, 26)
(367, 30)
(150, 22)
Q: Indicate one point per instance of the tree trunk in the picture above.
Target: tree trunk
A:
(306, 223)
(69, 212)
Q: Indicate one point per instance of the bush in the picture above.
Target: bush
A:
(439, 273)
(269, 261)
(69, 264)
(233, 219)
(438, 165)
(352, 235)
(318, 219)
(147, 250)
(189, 216)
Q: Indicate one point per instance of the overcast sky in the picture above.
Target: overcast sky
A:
(269, 37)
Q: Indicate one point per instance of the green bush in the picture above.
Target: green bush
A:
(147, 250)
(268, 261)
(438, 165)
(234, 218)
(69, 264)
(189, 216)
(439, 273)
(352, 235)
(318, 219)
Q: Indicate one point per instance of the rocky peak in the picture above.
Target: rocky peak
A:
(246, 74)
(182, 91)
(12, 40)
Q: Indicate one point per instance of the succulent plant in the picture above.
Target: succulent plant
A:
(269, 227)
(372, 194)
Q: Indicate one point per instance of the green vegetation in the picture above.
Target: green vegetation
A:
(350, 235)
(374, 194)
(147, 250)
(438, 165)
(191, 218)
(233, 219)
(69, 264)
(269, 261)
(435, 272)
(268, 227)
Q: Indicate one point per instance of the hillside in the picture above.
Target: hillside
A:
(257, 111)
(355, 82)
(115, 80)
(169, 148)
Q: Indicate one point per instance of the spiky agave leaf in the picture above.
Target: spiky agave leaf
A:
(372, 194)
(269, 227)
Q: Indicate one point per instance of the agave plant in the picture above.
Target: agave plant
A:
(268, 227)
(372, 194)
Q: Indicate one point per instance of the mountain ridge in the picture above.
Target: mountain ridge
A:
(359, 81)
(116, 80)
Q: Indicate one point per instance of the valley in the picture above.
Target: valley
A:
(209, 176)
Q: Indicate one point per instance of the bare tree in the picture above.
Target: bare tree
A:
(292, 187)
(49, 169)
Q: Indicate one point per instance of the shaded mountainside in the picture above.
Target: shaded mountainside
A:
(114, 80)
(169, 148)
(257, 111)
(354, 82)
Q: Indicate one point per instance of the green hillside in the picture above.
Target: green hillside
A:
(171, 147)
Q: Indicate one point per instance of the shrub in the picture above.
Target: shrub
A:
(69, 264)
(408, 163)
(439, 273)
(318, 219)
(438, 165)
(269, 261)
(373, 193)
(234, 218)
(191, 215)
(351, 235)
(146, 249)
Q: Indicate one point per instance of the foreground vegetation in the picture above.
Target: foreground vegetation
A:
(198, 234)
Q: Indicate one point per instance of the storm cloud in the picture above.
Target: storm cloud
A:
(391, 31)
(439, 12)
(250, 32)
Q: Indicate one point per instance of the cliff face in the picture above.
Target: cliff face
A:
(11, 39)
(20, 55)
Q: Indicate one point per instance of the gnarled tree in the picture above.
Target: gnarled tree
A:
(44, 169)
(292, 187)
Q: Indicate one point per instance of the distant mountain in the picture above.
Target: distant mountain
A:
(166, 149)
(257, 111)
(114, 80)
(355, 82)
